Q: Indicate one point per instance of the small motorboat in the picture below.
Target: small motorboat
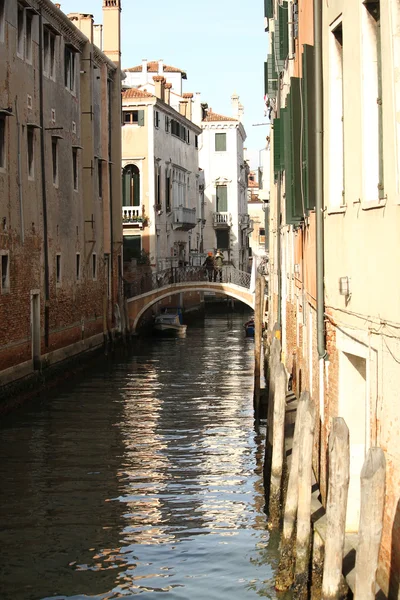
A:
(250, 327)
(169, 322)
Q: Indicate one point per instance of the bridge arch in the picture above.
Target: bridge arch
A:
(138, 305)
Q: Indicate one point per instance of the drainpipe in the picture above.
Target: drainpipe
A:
(319, 201)
(21, 207)
(44, 191)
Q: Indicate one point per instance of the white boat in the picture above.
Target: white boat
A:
(169, 322)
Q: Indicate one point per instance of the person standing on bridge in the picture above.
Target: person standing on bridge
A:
(209, 265)
(218, 261)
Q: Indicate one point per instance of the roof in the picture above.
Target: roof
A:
(212, 116)
(136, 93)
(152, 67)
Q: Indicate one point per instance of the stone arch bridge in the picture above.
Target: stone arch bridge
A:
(147, 290)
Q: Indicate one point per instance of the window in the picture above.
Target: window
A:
(100, 178)
(372, 102)
(69, 68)
(78, 267)
(261, 235)
(134, 117)
(222, 198)
(94, 266)
(49, 49)
(188, 136)
(196, 141)
(132, 247)
(336, 158)
(167, 191)
(2, 20)
(131, 186)
(20, 31)
(167, 124)
(220, 142)
(223, 239)
(107, 268)
(28, 36)
(2, 142)
(5, 275)
(178, 130)
(157, 186)
(58, 268)
(75, 167)
(157, 118)
(31, 147)
(54, 153)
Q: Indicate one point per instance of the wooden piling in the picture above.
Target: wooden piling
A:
(303, 536)
(258, 321)
(278, 429)
(339, 474)
(373, 477)
(274, 361)
(285, 575)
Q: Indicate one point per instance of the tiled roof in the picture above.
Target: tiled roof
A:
(136, 93)
(212, 116)
(152, 67)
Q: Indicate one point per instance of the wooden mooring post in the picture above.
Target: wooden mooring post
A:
(278, 441)
(258, 323)
(285, 575)
(274, 361)
(339, 475)
(303, 535)
(373, 476)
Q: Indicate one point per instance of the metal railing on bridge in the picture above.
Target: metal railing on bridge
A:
(147, 282)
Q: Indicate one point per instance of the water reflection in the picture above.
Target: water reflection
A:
(145, 477)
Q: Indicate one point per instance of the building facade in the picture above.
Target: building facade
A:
(60, 242)
(332, 293)
(227, 223)
(161, 178)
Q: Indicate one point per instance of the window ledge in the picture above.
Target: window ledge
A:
(369, 205)
(333, 210)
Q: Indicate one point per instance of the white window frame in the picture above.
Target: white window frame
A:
(94, 266)
(70, 76)
(58, 269)
(78, 267)
(55, 157)
(49, 53)
(30, 152)
(28, 49)
(75, 169)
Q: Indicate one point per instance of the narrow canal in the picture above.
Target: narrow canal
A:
(142, 477)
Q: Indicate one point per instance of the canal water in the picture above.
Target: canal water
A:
(141, 478)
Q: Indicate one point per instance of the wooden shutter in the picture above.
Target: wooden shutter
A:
(141, 118)
(222, 198)
(277, 145)
(293, 165)
(283, 31)
(268, 9)
(309, 155)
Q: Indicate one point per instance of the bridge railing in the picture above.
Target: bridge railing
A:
(147, 282)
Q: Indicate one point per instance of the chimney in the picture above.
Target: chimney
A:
(84, 22)
(58, 6)
(161, 67)
(143, 78)
(189, 98)
(167, 93)
(159, 83)
(197, 111)
(98, 36)
(235, 105)
(182, 107)
(112, 30)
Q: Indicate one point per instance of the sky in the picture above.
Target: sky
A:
(220, 44)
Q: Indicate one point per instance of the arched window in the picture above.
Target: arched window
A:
(131, 185)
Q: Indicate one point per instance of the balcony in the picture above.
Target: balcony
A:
(222, 220)
(183, 219)
(132, 216)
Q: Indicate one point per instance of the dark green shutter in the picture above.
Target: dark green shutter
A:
(268, 9)
(277, 145)
(283, 30)
(309, 156)
(285, 116)
(294, 203)
(220, 142)
(222, 198)
(141, 118)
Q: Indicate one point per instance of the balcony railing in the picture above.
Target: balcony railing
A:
(183, 218)
(133, 216)
(222, 220)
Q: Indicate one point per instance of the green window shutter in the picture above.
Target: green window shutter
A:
(294, 211)
(277, 145)
(136, 189)
(141, 118)
(222, 198)
(282, 137)
(268, 9)
(220, 142)
(283, 31)
(272, 77)
(266, 72)
(309, 155)
(126, 188)
(285, 116)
